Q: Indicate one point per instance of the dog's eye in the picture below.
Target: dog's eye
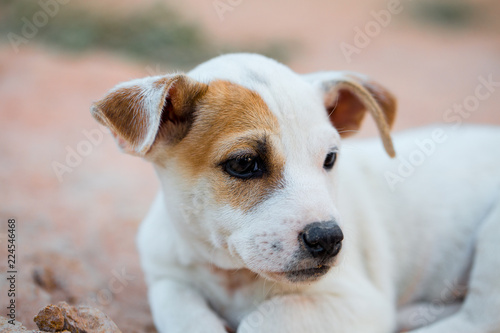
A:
(330, 160)
(244, 167)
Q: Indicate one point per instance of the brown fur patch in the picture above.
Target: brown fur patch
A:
(347, 112)
(230, 119)
(177, 112)
(386, 100)
(233, 279)
(121, 111)
(135, 113)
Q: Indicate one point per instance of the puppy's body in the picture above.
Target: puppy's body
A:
(432, 221)
(220, 247)
(414, 244)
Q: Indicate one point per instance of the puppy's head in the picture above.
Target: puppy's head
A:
(246, 151)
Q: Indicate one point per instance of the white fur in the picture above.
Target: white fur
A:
(437, 229)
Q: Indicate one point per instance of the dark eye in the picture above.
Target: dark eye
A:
(244, 167)
(330, 160)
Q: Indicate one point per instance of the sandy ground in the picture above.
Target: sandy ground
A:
(75, 233)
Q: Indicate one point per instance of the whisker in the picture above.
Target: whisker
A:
(347, 131)
(334, 106)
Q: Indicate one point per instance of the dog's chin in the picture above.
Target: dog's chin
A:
(298, 276)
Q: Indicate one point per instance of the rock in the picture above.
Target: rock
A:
(50, 319)
(66, 318)
(6, 327)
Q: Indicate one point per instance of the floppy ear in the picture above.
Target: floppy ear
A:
(348, 95)
(138, 111)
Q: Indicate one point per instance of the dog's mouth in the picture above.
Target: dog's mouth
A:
(307, 274)
(301, 275)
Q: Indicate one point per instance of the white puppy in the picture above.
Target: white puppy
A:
(265, 224)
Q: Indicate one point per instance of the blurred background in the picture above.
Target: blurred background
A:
(78, 201)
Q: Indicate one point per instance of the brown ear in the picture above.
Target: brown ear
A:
(348, 96)
(134, 111)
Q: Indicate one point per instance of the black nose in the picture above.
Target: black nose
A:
(322, 239)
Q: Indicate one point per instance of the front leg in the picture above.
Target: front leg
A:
(178, 308)
(321, 313)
